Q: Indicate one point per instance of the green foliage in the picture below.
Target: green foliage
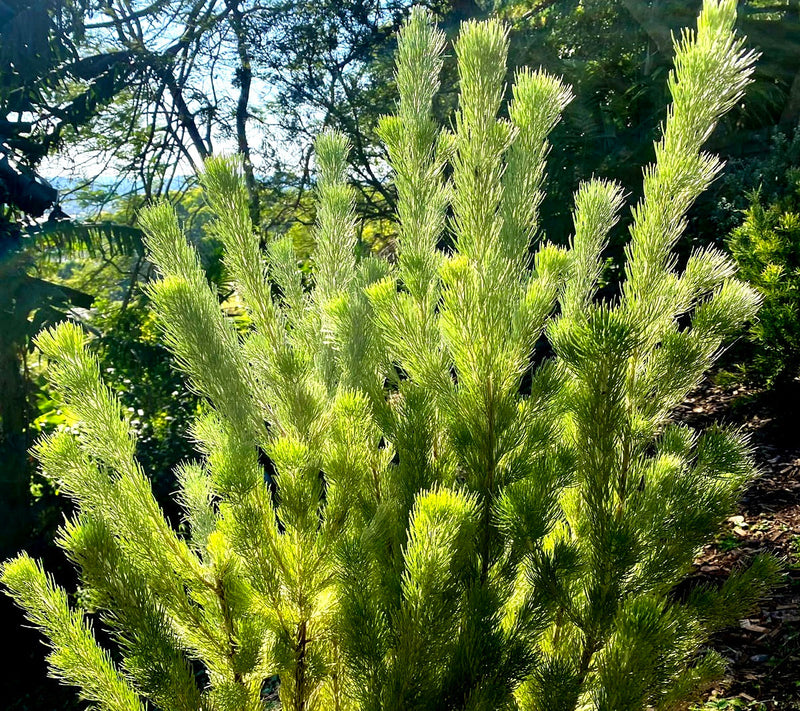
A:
(767, 250)
(29, 301)
(151, 388)
(450, 519)
(152, 391)
(773, 173)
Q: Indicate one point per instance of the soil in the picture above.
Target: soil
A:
(763, 652)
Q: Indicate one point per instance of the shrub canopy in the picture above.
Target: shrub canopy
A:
(452, 516)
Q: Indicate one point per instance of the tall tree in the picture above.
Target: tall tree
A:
(617, 54)
(177, 73)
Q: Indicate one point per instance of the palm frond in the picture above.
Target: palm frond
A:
(99, 239)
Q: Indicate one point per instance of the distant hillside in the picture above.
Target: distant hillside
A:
(81, 199)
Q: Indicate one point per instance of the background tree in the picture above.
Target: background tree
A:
(617, 54)
(38, 53)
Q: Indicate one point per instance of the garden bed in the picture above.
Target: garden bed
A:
(763, 652)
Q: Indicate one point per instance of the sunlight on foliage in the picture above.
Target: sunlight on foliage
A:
(449, 481)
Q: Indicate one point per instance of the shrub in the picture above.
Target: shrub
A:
(766, 248)
(449, 518)
(770, 171)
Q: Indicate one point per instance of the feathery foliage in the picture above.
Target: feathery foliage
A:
(452, 517)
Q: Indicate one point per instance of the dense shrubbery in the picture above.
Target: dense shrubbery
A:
(766, 247)
(773, 173)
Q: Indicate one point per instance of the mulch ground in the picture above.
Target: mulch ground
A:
(763, 652)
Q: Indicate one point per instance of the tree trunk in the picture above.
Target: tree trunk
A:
(245, 77)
